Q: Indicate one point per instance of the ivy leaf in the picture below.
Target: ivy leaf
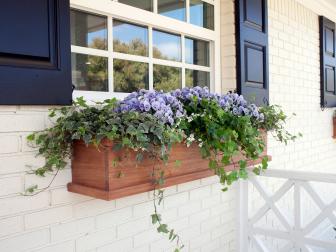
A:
(155, 218)
(163, 228)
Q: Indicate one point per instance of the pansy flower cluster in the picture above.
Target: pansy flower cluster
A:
(166, 107)
(231, 102)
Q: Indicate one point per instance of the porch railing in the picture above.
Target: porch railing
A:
(287, 211)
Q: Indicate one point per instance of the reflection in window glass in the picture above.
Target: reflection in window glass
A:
(202, 14)
(172, 8)
(89, 72)
(197, 78)
(129, 38)
(197, 52)
(143, 4)
(166, 78)
(88, 30)
(166, 46)
(129, 75)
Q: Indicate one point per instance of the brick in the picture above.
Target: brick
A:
(200, 193)
(64, 231)
(9, 144)
(199, 241)
(11, 225)
(188, 186)
(132, 200)
(22, 122)
(120, 246)
(63, 247)
(146, 237)
(176, 200)
(20, 204)
(199, 217)
(95, 240)
(47, 217)
(26, 241)
(92, 207)
(114, 218)
(19, 163)
(63, 178)
(63, 196)
(11, 185)
(132, 228)
(190, 208)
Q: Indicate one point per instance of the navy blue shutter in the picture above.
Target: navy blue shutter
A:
(328, 63)
(252, 50)
(35, 54)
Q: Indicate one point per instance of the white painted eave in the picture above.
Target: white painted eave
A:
(321, 7)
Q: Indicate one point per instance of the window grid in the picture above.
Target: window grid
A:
(111, 55)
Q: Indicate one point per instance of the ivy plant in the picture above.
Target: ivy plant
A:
(152, 122)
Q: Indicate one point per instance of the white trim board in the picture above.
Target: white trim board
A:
(320, 7)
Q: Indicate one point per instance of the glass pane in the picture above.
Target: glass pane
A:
(129, 75)
(197, 78)
(166, 46)
(197, 52)
(129, 38)
(143, 4)
(167, 78)
(89, 72)
(202, 14)
(88, 30)
(172, 8)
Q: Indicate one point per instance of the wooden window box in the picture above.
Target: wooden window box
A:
(95, 172)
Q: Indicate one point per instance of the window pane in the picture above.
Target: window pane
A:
(129, 76)
(88, 30)
(172, 8)
(167, 78)
(89, 72)
(143, 4)
(197, 78)
(197, 52)
(166, 46)
(202, 14)
(129, 38)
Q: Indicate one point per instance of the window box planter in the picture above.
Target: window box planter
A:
(96, 173)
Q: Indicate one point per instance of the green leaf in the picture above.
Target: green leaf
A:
(178, 163)
(163, 228)
(155, 218)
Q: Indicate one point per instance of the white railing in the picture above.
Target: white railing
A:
(281, 200)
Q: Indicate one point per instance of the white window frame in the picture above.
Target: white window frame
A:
(114, 10)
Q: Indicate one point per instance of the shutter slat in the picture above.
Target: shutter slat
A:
(252, 50)
(35, 57)
(328, 62)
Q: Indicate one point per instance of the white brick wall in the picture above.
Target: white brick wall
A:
(60, 221)
(57, 220)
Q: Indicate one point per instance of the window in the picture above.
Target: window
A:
(200, 13)
(118, 53)
(172, 8)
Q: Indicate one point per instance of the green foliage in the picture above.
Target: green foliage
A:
(275, 120)
(220, 134)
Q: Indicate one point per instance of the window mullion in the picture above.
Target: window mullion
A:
(150, 55)
(110, 52)
(188, 10)
(183, 60)
(155, 6)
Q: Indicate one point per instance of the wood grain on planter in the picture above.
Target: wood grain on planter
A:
(96, 173)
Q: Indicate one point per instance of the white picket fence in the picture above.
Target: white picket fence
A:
(287, 211)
